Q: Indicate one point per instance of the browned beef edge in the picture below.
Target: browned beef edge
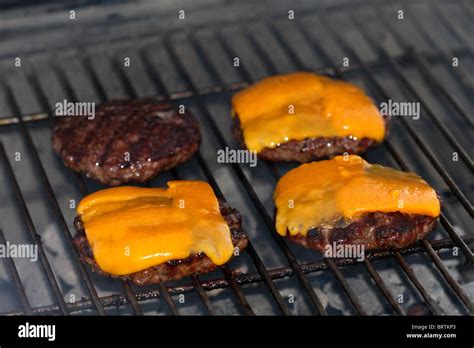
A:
(309, 149)
(127, 141)
(172, 270)
(375, 231)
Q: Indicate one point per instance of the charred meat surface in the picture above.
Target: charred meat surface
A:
(375, 231)
(127, 140)
(310, 149)
(348, 201)
(171, 270)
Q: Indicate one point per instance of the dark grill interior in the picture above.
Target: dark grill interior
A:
(192, 64)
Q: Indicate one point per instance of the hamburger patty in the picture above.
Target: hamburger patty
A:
(173, 269)
(376, 231)
(309, 149)
(127, 141)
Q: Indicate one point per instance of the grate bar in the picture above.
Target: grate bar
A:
(25, 303)
(124, 80)
(129, 292)
(250, 251)
(81, 182)
(125, 283)
(423, 63)
(137, 309)
(165, 294)
(197, 284)
(156, 79)
(454, 285)
(251, 193)
(103, 97)
(345, 285)
(35, 117)
(466, 78)
(231, 280)
(381, 92)
(372, 271)
(450, 137)
(86, 63)
(161, 88)
(445, 222)
(268, 280)
(448, 226)
(428, 247)
(210, 178)
(420, 142)
(117, 300)
(212, 90)
(440, 124)
(427, 37)
(463, 76)
(203, 295)
(432, 305)
(339, 276)
(34, 235)
(52, 199)
(383, 288)
(426, 150)
(40, 95)
(229, 276)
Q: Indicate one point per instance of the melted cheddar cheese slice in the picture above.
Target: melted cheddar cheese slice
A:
(304, 105)
(320, 193)
(131, 228)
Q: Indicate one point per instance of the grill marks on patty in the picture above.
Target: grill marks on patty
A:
(154, 135)
(173, 269)
(376, 231)
(310, 149)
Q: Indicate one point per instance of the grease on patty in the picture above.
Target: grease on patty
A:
(155, 234)
(333, 197)
(127, 141)
(303, 107)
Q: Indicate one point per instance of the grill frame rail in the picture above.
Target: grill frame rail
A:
(195, 95)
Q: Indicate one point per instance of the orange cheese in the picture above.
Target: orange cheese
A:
(319, 193)
(304, 105)
(131, 228)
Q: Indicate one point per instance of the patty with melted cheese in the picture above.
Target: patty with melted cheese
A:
(152, 235)
(347, 201)
(303, 116)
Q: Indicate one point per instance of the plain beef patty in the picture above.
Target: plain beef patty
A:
(127, 141)
(172, 270)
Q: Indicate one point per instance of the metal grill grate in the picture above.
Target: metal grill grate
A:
(212, 50)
